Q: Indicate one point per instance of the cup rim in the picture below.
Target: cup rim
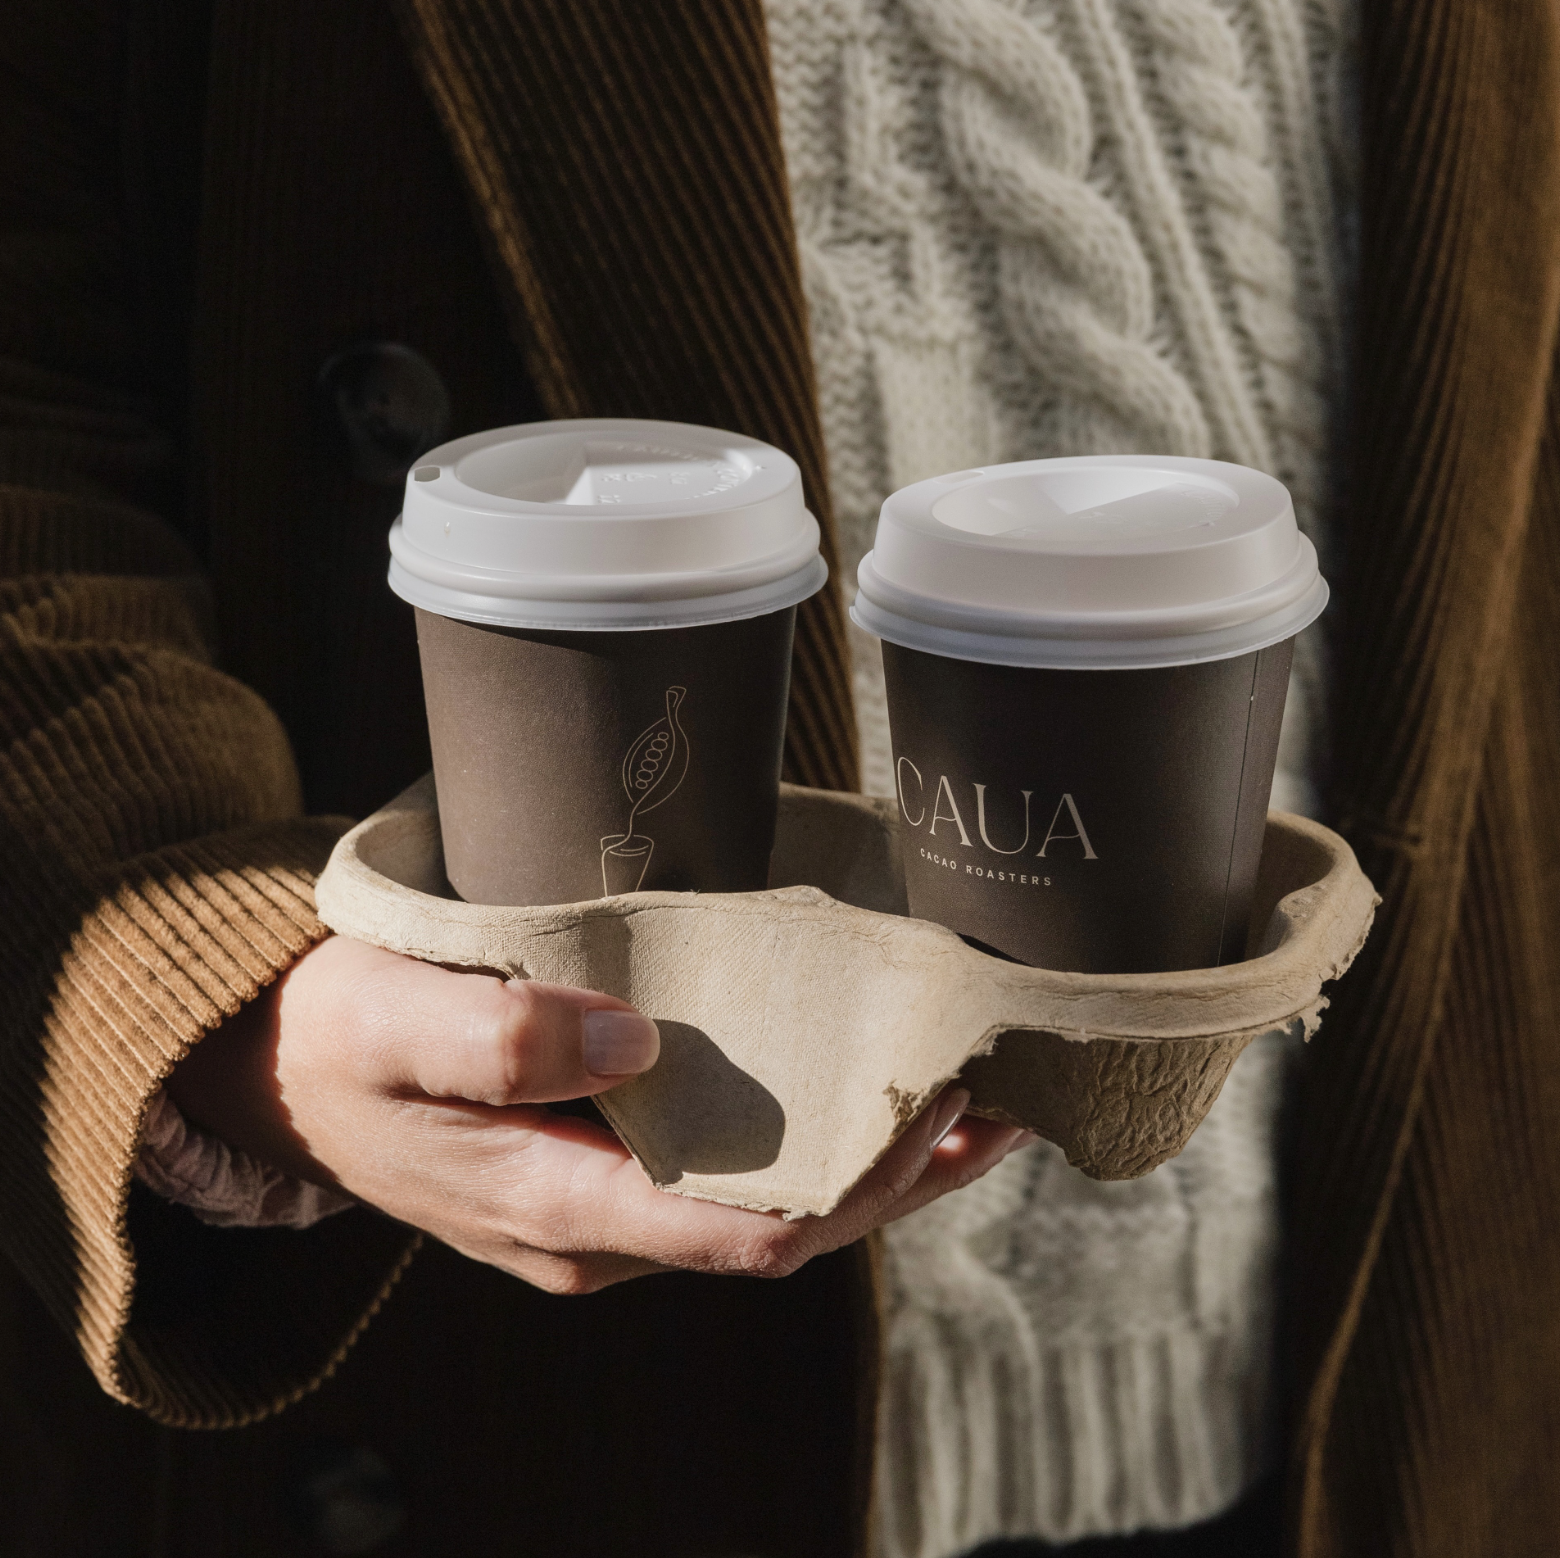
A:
(1114, 648)
(621, 616)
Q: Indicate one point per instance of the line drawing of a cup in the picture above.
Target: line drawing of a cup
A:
(625, 857)
(653, 768)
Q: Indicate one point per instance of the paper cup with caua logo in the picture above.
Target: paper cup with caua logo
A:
(605, 612)
(1086, 662)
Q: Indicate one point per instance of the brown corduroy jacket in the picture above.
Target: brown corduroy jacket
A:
(580, 209)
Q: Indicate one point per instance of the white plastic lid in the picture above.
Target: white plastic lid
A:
(604, 524)
(1102, 561)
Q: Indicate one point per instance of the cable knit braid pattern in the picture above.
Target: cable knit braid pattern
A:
(1047, 227)
(1075, 282)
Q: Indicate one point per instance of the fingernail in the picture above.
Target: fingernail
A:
(949, 1112)
(619, 1044)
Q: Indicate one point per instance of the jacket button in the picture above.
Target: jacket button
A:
(343, 1500)
(388, 404)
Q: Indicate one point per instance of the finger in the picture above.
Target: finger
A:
(576, 1197)
(895, 1174)
(971, 1132)
(448, 1035)
(567, 1275)
(523, 1042)
(972, 1149)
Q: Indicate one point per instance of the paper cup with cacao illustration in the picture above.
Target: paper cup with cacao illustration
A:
(605, 611)
(1086, 662)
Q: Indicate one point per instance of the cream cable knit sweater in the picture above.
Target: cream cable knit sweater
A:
(1041, 227)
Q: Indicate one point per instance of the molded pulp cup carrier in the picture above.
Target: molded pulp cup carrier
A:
(1086, 662)
(802, 1028)
(605, 612)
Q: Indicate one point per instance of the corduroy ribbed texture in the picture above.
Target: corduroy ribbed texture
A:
(625, 160)
(1428, 1188)
(156, 877)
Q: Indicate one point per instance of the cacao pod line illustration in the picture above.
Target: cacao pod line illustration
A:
(657, 762)
(653, 769)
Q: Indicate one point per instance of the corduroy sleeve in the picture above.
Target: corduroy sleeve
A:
(155, 869)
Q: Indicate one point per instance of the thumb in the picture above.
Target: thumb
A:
(470, 1036)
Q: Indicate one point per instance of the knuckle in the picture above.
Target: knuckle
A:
(563, 1278)
(903, 1180)
(500, 1029)
(773, 1252)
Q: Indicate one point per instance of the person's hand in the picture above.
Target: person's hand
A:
(419, 1091)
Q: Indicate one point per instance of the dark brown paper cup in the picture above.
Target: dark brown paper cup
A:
(577, 765)
(1098, 821)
